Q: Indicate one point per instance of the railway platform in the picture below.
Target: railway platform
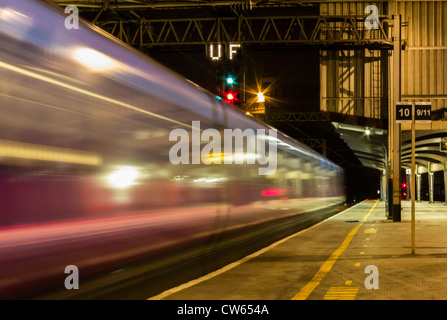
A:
(357, 254)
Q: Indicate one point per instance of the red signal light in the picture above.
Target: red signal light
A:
(230, 96)
(273, 192)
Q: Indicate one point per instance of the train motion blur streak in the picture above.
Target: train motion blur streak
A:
(85, 176)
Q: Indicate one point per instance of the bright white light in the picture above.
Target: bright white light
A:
(93, 59)
(367, 131)
(7, 14)
(219, 52)
(231, 51)
(123, 177)
(206, 179)
(261, 97)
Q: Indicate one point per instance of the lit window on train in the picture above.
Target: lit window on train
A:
(94, 59)
(123, 177)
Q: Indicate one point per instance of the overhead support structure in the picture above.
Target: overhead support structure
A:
(293, 117)
(163, 4)
(431, 183)
(394, 127)
(188, 4)
(313, 31)
(418, 184)
(409, 184)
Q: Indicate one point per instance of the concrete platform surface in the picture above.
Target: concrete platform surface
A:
(355, 255)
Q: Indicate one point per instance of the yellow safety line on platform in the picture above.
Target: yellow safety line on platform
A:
(239, 262)
(341, 293)
(327, 266)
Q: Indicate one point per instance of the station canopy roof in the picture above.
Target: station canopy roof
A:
(370, 145)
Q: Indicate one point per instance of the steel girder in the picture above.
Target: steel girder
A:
(320, 31)
(293, 117)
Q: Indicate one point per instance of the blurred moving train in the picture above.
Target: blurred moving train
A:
(85, 176)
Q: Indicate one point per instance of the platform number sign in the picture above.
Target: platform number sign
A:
(403, 112)
(422, 111)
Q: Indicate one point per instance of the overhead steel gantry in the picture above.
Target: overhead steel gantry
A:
(320, 31)
(294, 117)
